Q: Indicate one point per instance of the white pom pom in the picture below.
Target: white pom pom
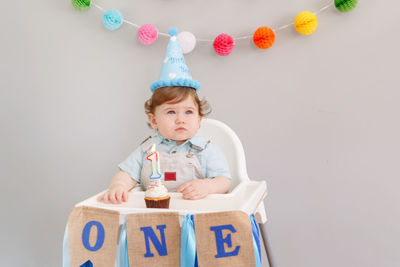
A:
(187, 41)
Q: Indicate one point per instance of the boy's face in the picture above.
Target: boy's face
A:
(179, 121)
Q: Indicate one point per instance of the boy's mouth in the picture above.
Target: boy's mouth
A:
(180, 129)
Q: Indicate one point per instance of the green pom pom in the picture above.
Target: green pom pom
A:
(81, 5)
(345, 5)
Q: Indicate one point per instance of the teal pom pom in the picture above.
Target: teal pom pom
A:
(112, 19)
(173, 31)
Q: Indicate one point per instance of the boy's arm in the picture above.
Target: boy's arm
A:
(200, 188)
(118, 190)
(219, 185)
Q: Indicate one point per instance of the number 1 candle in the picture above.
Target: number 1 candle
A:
(154, 163)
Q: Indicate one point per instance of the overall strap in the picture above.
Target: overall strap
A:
(146, 144)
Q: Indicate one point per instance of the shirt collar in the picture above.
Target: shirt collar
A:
(158, 139)
(196, 140)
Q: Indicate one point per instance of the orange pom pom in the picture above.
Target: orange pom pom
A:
(264, 37)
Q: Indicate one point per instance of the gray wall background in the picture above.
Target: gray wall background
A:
(323, 110)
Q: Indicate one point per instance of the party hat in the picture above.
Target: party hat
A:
(174, 71)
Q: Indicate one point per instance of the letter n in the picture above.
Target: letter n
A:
(161, 247)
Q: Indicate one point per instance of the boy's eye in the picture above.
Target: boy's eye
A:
(171, 112)
(189, 112)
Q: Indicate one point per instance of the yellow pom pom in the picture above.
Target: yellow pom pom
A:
(305, 22)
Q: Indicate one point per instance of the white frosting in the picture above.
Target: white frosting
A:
(156, 189)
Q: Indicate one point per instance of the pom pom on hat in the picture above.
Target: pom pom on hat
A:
(264, 37)
(305, 22)
(345, 5)
(187, 41)
(81, 5)
(112, 19)
(223, 44)
(147, 34)
(173, 31)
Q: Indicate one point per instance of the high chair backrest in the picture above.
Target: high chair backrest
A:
(225, 138)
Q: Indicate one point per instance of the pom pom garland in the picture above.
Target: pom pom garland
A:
(345, 5)
(147, 34)
(305, 22)
(112, 19)
(187, 41)
(223, 44)
(81, 5)
(264, 37)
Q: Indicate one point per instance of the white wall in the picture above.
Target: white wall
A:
(322, 110)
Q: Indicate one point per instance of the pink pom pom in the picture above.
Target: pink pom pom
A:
(147, 34)
(223, 44)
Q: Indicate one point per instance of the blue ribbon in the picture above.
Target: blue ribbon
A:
(122, 250)
(256, 241)
(66, 259)
(188, 243)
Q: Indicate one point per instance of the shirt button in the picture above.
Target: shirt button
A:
(173, 152)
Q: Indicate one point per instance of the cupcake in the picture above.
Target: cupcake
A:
(156, 195)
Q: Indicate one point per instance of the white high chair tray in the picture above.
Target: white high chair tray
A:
(246, 196)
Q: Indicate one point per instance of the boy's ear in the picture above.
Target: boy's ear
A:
(152, 120)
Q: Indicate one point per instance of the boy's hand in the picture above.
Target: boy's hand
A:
(115, 195)
(118, 191)
(195, 189)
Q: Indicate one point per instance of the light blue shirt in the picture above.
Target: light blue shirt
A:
(212, 160)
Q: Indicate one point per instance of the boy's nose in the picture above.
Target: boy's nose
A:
(179, 119)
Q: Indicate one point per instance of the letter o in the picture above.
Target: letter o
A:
(86, 235)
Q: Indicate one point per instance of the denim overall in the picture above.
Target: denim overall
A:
(176, 168)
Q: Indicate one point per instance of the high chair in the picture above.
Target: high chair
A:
(244, 195)
(226, 139)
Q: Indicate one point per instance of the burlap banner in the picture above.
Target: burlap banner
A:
(224, 239)
(93, 236)
(153, 239)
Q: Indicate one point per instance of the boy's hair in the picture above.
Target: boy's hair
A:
(173, 95)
